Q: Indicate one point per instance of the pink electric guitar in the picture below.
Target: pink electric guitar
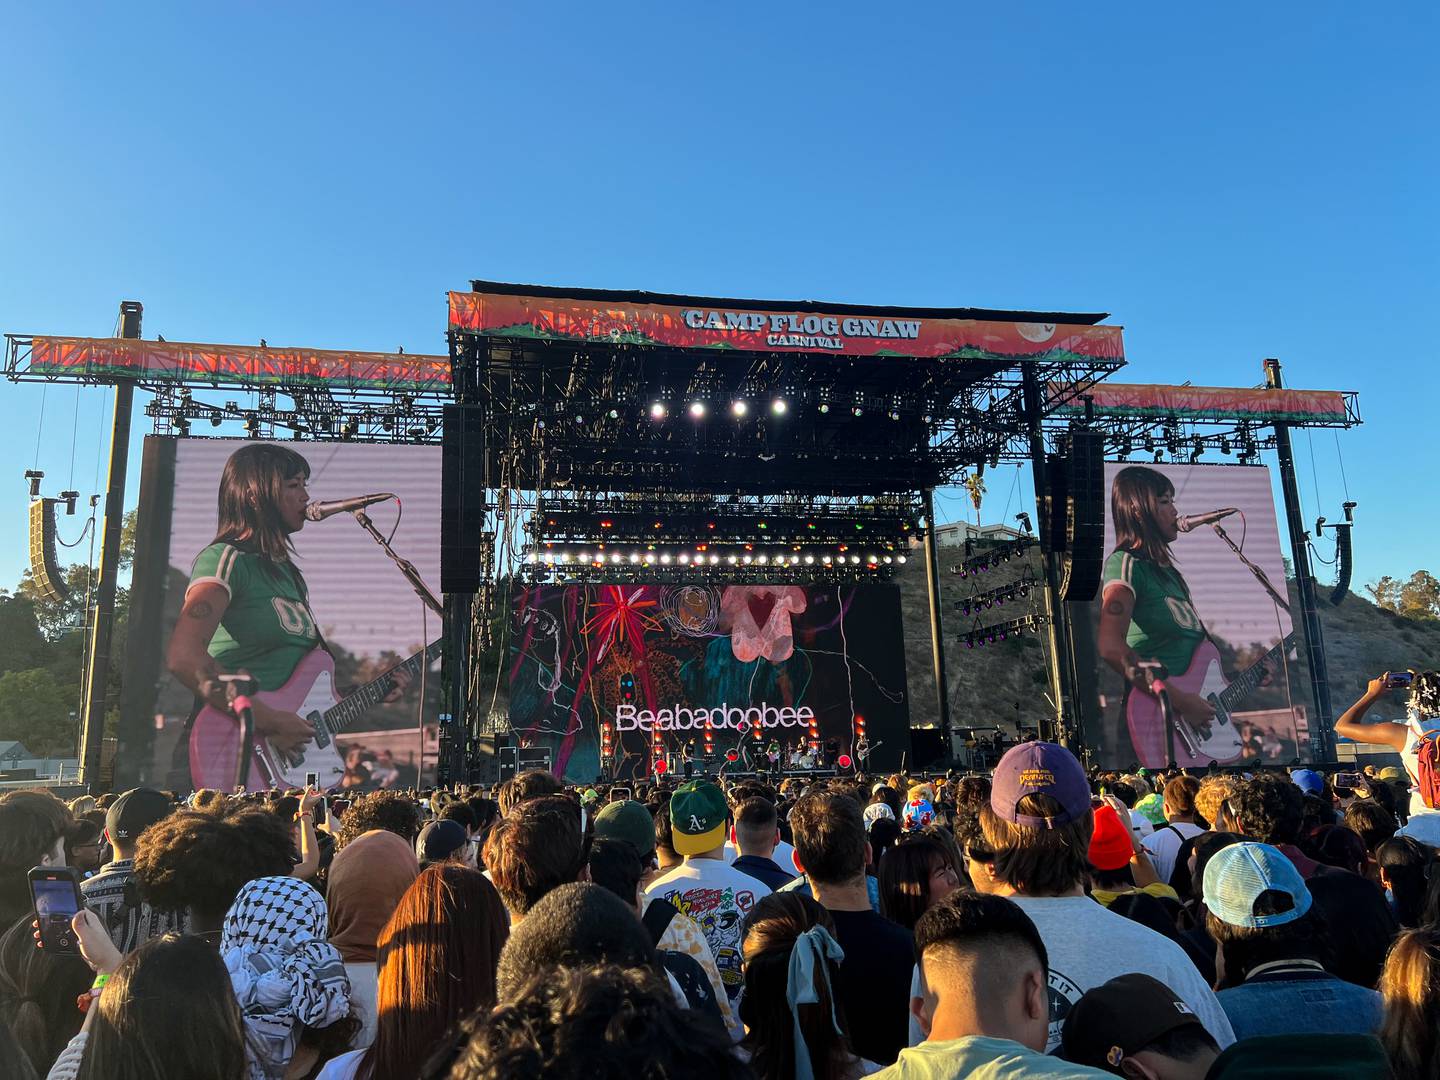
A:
(1205, 677)
(309, 692)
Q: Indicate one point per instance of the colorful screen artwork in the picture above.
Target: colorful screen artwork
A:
(735, 668)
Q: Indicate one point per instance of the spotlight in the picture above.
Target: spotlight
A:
(779, 406)
(684, 557)
(857, 411)
(894, 414)
(665, 559)
(697, 410)
(634, 556)
(714, 559)
(824, 407)
(614, 414)
(738, 407)
(900, 559)
(658, 411)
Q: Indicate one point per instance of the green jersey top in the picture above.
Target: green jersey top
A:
(267, 628)
(1163, 625)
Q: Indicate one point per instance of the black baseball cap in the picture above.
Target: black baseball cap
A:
(1119, 1018)
(134, 812)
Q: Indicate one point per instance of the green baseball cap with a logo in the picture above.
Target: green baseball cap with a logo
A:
(697, 817)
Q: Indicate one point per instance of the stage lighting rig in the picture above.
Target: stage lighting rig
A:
(997, 597)
(1000, 553)
(980, 636)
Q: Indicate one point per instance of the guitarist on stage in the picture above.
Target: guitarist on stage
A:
(246, 609)
(1146, 612)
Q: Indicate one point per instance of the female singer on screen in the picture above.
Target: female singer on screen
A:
(246, 608)
(1146, 613)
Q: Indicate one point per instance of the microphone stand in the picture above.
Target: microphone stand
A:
(1260, 574)
(406, 566)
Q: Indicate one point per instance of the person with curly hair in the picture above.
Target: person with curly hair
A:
(389, 810)
(594, 1023)
(1270, 810)
(197, 861)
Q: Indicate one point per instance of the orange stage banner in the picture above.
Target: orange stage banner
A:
(1215, 403)
(880, 334)
(182, 362)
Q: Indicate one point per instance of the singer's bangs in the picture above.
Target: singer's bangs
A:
(1134, 508)
(251, 489)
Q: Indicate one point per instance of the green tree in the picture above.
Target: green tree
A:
(36, 709)
(21, 643)
(1417, 598)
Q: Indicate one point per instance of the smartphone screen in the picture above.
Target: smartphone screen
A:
(56, 901)
(620, 794)
(312, 780)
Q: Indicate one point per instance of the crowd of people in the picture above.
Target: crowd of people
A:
(1039, 921)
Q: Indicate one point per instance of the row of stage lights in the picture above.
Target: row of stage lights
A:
(1244, 447)
(989, 635)
(998, 597)
(712, 558)
(740, 408)
(1001, 553)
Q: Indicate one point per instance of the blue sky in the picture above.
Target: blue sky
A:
(1232, 182)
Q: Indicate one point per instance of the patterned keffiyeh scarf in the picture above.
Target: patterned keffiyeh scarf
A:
(284, 971)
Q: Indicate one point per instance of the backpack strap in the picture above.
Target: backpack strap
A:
(657, 919)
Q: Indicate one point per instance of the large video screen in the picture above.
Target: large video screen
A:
(325, 641)
(752, 665)
(1194, 582)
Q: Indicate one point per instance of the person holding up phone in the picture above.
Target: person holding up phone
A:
(1422, 709)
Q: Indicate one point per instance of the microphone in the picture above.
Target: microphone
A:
(319, 511)
(1186, 522)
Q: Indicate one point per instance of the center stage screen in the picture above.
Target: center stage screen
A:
(658, 661)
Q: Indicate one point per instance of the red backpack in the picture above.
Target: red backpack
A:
(1427, 768)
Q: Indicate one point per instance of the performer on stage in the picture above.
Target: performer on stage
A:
(687, 759)
(1146, 612)
(862, 753)
(246, 609)
(772, 753)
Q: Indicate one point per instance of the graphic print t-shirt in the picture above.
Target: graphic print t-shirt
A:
(1088, 946)
(268, 628)
(1163, 625)
(718, 897)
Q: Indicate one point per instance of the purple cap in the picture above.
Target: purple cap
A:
(1040, 768)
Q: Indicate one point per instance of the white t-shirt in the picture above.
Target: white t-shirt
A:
(718, 897)
(1163, 845)
(1140, 824)
(1089, 945)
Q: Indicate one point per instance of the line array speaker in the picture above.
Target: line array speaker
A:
(43, 566)
(1084, 516)
(462, 498)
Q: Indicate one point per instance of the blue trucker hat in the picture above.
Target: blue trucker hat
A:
(1235, 877)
